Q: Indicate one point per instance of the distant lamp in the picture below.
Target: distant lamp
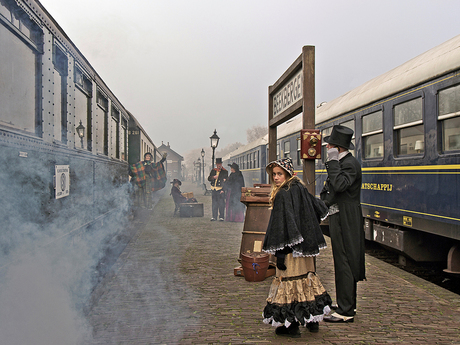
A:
(418, 146)
(214, 142)
(81, 132)
(202, 161)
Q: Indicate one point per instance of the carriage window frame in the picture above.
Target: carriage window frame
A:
(370, 134)
(287, 149)
(403, 130)
(28, 35)
(449, 143)
(299, 147)
(324, 133)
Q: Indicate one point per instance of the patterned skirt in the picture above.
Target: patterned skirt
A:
(296, 294)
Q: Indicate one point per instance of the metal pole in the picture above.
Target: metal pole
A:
(213, 149)
(203, 171)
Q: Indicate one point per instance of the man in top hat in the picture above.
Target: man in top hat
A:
(217, 177)
(341, 193)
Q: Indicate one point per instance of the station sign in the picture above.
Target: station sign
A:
(62, 178)
(290, 93)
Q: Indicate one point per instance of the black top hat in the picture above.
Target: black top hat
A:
(218, 160)
(340, 136)
(176, 180)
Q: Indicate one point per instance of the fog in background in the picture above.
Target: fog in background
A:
(185, 68)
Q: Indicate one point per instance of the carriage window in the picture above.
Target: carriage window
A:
(278, 151)
(287, 149)
(60, 94)
(350, 124)
(373, 135)
(324, 133)
(408, 126)
(102, 144)
(20, 78)
(449, 115)
(114, 133)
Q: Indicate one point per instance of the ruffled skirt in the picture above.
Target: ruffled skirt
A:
(300, 298)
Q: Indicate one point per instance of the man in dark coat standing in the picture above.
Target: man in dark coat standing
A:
(342, 194)
(217, 177)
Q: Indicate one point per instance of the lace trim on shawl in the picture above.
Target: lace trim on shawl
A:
(273, 250)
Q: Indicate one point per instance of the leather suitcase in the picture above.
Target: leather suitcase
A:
(194, 209)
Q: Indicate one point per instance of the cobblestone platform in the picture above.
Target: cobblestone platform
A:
(174, 284)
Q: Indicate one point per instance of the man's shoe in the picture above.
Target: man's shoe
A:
(313, 327)
(221, 219)
(337, 318)
(213, 219)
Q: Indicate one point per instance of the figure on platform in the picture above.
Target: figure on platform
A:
(217, 177)
(294, 236)
(177, 194)
(341, 193)
(148, 177)
(234, 208)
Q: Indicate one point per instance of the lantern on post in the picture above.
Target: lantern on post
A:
(214, 142)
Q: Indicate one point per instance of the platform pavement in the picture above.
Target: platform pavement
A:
(174, 284)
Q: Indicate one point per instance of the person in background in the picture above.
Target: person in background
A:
(148, 176)
(177, 195)
(341, 193)
(234, 208)
(217, 177)
(294, 236)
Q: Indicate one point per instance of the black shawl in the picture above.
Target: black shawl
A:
(294, 222)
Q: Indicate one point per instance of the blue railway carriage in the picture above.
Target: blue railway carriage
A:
(407, 138)
(252, 159)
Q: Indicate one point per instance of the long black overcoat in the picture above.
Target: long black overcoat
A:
(343, 187)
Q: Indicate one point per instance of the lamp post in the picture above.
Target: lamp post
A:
(198, 165)
(214, 142)
(81, 132)
(202, 162)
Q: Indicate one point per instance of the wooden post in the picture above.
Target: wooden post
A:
(289, 102)
(308, 62)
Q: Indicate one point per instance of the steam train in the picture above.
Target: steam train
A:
(66, 142)
(407, 138)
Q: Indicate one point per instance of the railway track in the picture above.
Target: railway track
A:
(430, 271)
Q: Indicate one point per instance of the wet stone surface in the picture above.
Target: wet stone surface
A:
(174, 284)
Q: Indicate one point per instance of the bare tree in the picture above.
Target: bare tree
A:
(256, 132)
(229, 148)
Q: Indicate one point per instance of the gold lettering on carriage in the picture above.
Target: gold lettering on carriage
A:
(385, 187)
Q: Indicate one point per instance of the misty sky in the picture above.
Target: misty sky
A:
(187, 67)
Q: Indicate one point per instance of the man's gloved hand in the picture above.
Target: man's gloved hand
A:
(165, 154)
(333, 154)
(280, 263)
